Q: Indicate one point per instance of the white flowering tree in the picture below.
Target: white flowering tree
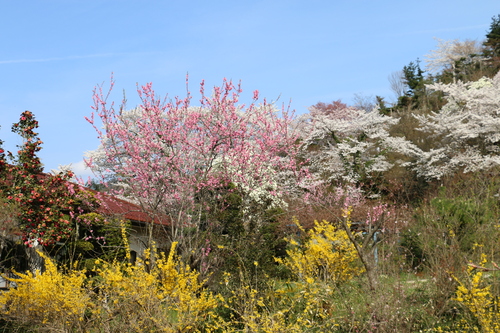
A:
(466, 130)
(449, 52)
(350, 145)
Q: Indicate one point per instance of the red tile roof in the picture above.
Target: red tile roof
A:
(111, 205)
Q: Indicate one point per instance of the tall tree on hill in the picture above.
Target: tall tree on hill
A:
(492, 42)
(453, 57)
(413, 78)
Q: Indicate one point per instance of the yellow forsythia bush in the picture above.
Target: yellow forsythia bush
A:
(280, 306)
(478, 299)
(114, 297)
(328, 255)
(168, 297)
(53, 297)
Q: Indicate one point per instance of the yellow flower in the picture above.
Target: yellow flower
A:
(327, 255)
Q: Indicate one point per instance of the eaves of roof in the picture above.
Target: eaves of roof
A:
(111, 205)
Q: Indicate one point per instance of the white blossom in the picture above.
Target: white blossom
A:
(466, 130)
(450, 51)
(351, 143)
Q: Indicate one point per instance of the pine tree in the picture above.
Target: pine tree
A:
(493, 38)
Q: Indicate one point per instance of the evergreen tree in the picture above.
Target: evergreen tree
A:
(414, 78)
(492, 42)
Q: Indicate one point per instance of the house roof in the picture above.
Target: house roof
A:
(111, 205)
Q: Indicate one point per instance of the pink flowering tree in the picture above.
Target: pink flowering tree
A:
(174, 158)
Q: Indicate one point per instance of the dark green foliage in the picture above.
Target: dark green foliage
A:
(96, 186)
(463, 217)
(491, 51)
(411, 249)
(467, 69)
(383, 108)
(230, 218)
(414, 78)
(493, 38)
(232, 242)
(241, 246)
(416, 95)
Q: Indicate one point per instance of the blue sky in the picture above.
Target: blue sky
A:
(53, 53)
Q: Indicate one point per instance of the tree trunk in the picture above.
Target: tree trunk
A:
(366, 251)
(36, 263)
